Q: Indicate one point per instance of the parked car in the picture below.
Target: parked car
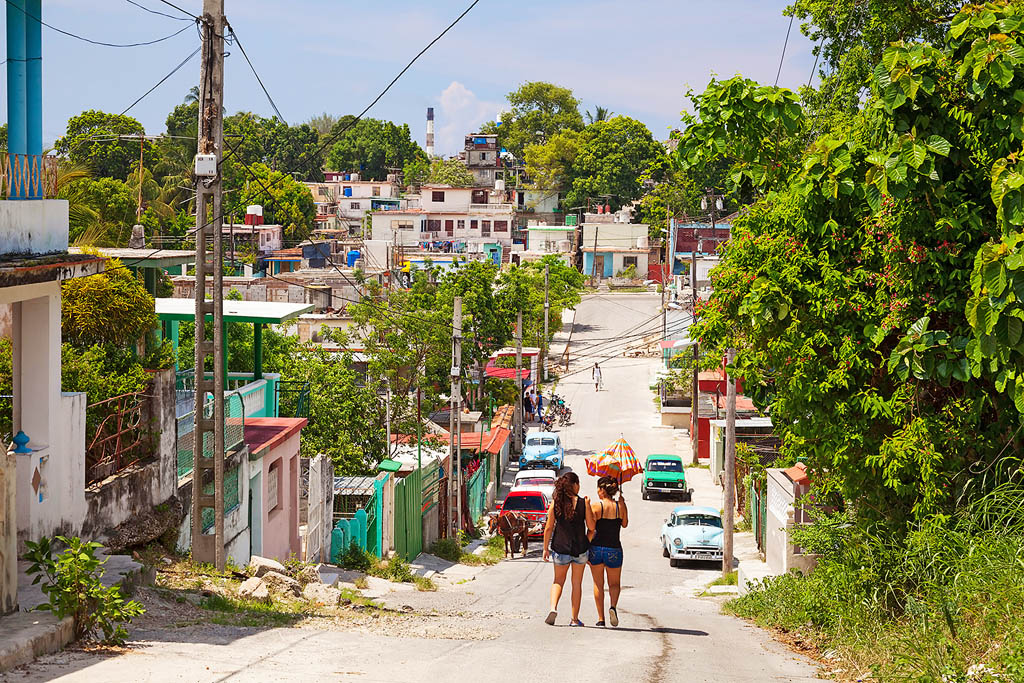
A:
(536, 480)
(543, 450)
(665, 474)
(532, 504)
(692, 533)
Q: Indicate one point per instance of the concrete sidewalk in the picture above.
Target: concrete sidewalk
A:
(27, 633)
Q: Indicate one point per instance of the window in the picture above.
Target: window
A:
(525, 503)
(404, 224)
(461, 225)
(322, 191)
(433, 226)
(485, 228)
(354, 205)
(628, 261)
(449, 227)
(500, 226)
(273, 485)
(483, 156)
(376, 191)
(437, 196)
(473, 225)
(664, 466)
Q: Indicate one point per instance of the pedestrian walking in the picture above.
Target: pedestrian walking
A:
(605, 555)
(569, 524)
(596, 374)
(528, 406)
(539, 404)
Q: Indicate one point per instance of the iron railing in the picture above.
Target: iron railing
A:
(28, 176)
(119, 439)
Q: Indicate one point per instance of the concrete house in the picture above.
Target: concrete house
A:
(483, 158)
(343, 200)
(611, 244)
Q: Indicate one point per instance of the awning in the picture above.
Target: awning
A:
(267, 312)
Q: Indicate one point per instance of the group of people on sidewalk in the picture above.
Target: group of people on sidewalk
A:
(533, 404)
(579, 532)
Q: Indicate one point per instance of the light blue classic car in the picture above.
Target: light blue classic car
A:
(543, 450)
(692, 533)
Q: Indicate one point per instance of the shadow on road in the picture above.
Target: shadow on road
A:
(656, 629)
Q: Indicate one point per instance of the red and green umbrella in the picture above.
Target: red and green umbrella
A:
(617, 461)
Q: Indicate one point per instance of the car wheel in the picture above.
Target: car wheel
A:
(646, 495)
(664, 550)
(674, 563)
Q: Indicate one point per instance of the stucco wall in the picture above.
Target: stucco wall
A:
(34, 227)
(780, 553)
(281, 525)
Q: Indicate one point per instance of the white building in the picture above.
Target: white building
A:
(343, 200)
(614, 244)
(544, 240)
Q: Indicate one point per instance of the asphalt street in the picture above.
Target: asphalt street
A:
(667, 632)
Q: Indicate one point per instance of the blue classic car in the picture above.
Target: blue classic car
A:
(543, 450)
(692, 533)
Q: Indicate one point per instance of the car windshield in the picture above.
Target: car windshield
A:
(664, 466)
(535, 481)
(538, 441)
(698, 520)
(525, 503)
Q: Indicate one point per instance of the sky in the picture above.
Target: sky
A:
(637, 58)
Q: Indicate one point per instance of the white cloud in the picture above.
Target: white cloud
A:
(459, 112)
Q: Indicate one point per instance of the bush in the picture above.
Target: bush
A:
(357, 559)
(447, 549)
(396, 569)
(74, 588)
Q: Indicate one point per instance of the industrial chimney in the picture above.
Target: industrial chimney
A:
(430, 131)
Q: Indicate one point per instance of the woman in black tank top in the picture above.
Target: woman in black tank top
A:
(605, 553)
(569, 524)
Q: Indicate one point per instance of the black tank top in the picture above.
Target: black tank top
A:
(570, 536)
(606, 533)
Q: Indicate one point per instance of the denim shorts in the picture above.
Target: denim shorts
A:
(609, 557)
(559, 558)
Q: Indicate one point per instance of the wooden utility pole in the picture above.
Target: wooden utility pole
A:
(209, 466)
(547, 311)
(454, 465)
(729, 512)
(593, 260)
(518, 435)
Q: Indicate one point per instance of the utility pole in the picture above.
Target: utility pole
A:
(547, 311)
(518, 435)
(730, 468)
(453, 418)
(209, 468)
(593, 259)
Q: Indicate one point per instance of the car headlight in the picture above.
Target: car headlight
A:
(678, 543)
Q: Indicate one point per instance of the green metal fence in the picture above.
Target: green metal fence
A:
(409, 516)
(476, 490)
(234, 431)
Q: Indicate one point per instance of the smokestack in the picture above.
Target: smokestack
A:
(430, 131)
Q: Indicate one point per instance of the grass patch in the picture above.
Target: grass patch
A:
(943, 603)
(727, 580)
(450, 550)
(230, 611)
(424, 584)
(357, 599)
(361, 583)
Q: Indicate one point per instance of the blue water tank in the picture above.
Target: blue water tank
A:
(352, 256)
(348, 191)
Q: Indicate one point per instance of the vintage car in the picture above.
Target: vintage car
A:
(665, 474)
(692, 533)
(536, 480)
(531, 504)
(543, 450)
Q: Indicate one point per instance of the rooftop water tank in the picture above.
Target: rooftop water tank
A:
(641, 242)
(499, 185)
(351, 258)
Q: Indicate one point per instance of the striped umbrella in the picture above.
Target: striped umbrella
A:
(618, 461)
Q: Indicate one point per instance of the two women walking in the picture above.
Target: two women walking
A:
(579, 532)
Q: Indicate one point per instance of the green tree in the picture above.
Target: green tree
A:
(449, 172)
(599, 114)
(106, 210)
(110, 308)
(538, 111)
(416, 172)
(323, 123)
(285, 201)
(613, 157)
(550, 165)
(91, 140)
(371, 147)
(676, 196)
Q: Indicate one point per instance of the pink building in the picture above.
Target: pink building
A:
(274, 485)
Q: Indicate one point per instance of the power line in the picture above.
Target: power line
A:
(186, 12)
(254, 73)
(161, 81)
(784, 46)
(157, 12)
(90, 40)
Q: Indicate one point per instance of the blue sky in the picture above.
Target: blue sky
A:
(636, 58)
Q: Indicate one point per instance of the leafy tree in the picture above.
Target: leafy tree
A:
(295, 150)
(91, 140)
(676, 196)
(550, 165)
(416, 172)
(371, 147)
(110, 308)
(538, 111)
(449, 172)
(613, 157)
(105, 213)
(3, 137)
(323, 123)
(285, 201)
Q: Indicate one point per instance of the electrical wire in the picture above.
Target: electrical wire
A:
(186, 12)
(784, 46)
(162, 80)
(254, 73)
(90, 40)
(158, 12)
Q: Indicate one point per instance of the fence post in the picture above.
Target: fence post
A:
(378, 513)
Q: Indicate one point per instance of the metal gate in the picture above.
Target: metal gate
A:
(320, 502)
(409, 516)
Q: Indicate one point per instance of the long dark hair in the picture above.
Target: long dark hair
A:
(565, 499)
(609, 485)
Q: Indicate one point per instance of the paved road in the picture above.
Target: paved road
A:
(666, 632)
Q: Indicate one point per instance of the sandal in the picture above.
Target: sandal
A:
(550, 619)
(576, 623)
(599, 623)
(613, 616)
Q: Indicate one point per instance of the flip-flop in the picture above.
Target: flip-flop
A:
(613, 616)
(576, 623)
(599, 623)
(550, 619)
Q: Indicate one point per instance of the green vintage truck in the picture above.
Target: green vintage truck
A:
(664, 474)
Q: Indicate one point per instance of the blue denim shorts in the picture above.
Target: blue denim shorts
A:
(559, 558)
(609, 557)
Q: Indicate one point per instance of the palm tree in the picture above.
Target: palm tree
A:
(599, 114)
(193, 95)
(81, 217)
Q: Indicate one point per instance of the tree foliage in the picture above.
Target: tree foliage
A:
(449, 172)
(371, 147)
(110, 308)
(538, 111)
(873, 313)
(91, 140)
(285, 201)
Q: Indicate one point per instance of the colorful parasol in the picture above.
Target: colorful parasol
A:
(618, 460)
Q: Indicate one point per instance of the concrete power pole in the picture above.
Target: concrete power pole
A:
(454, 465)
(730, 469)
(209, 467)
(518, 435)
(547, 311)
